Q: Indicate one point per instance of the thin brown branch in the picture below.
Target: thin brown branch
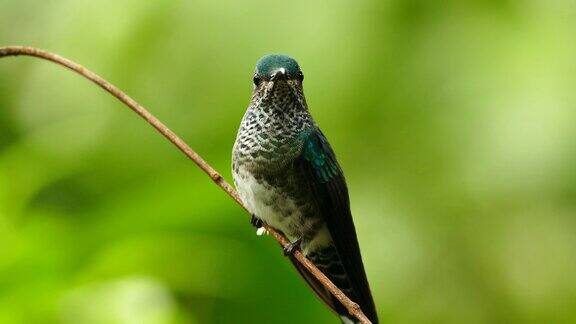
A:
(353, 308)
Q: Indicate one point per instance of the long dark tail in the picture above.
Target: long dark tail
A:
(328, 261)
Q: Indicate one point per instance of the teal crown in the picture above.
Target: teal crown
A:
(270, 63)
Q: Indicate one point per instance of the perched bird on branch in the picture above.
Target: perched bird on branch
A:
(287, 176)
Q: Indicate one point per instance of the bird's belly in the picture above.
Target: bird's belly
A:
(270, 205)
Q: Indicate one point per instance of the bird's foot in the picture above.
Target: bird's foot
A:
(292, 247)
(256, 222)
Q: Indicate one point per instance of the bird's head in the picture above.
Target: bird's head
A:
(277, 67)
(278, 76)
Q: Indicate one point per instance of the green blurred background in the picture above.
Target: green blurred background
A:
(453, 120)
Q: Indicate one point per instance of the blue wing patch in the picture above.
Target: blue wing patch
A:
(319, 155)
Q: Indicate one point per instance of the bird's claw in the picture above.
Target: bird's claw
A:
(292, 247)
(256, 222)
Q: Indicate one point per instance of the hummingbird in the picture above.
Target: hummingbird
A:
(287, 175)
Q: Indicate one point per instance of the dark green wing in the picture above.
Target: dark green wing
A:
(326, 181)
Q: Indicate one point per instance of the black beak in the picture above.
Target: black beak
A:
(279, 74)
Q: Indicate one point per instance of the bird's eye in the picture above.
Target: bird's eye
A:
(256, 80)
(300, 76)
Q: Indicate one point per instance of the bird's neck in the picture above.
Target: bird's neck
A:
(279, 120)
(269, 134)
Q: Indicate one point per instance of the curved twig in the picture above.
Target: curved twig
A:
(353, 308)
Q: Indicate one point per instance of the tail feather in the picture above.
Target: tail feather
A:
(328, 261)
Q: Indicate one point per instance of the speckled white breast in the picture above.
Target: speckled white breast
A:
(277, 211)
(267, 204)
